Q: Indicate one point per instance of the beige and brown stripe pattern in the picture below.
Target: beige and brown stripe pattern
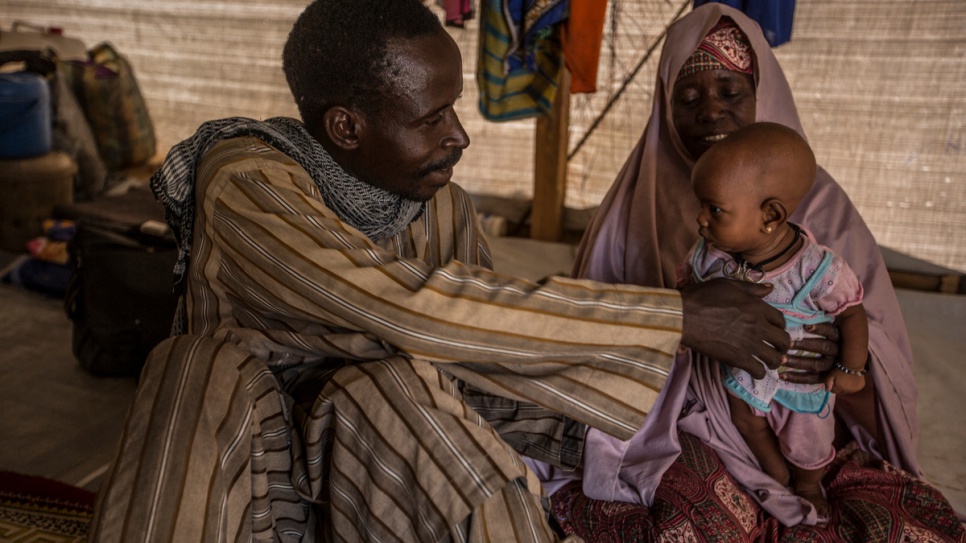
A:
(454, 372)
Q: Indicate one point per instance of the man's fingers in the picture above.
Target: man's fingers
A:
(754, 359)
(777, 338)
(771, 356)
(776, 318)
(756, 369)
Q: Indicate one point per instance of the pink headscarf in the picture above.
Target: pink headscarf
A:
(644, 228)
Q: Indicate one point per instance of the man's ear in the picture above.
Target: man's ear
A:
(773, 213)
(343, 126)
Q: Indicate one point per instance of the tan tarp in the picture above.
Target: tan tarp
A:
(878, 85)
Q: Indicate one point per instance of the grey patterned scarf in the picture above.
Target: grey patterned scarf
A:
(377, 213)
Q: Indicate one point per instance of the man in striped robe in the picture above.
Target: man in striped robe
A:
(345, 365)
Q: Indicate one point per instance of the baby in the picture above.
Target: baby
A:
(749, 185)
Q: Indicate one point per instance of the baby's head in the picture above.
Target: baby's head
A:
(750, 183)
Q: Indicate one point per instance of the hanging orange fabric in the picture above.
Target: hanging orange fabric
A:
(582, 36)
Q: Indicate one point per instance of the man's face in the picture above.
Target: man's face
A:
(708, 105)
(410, 146)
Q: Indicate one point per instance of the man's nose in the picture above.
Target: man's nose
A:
(458, 138)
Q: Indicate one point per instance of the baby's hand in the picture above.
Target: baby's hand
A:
(839, 382)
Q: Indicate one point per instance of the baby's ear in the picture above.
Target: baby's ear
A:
(773, 214)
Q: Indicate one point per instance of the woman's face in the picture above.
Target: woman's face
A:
(708, 105)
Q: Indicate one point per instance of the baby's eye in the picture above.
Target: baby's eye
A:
(714, 209)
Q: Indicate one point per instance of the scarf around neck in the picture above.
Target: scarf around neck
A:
(377, 213)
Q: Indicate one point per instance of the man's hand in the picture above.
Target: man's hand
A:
(728, 321)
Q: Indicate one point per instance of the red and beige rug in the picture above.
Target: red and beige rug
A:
(38, 509)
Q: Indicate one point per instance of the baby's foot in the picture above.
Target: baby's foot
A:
(814, 495)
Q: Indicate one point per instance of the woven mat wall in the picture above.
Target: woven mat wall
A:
(878, 85)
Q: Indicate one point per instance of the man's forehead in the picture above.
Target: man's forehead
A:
(421, 70)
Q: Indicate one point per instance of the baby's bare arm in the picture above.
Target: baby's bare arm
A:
(848, 374)
(854, 327)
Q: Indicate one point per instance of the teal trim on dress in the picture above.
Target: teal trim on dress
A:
(732, 384)
(811, 403)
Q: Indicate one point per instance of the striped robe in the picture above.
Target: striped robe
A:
(333, 387)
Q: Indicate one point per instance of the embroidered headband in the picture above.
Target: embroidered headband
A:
(724, 48)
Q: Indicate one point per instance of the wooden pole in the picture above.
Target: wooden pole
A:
(550, 166)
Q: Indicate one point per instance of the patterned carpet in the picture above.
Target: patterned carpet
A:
(699, 501)
(38, 509)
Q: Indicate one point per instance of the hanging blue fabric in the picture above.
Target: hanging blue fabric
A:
(531, 21)
(775, 17)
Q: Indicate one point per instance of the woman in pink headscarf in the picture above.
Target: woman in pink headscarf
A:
(711, 81)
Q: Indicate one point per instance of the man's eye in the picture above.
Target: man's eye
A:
(437, 119)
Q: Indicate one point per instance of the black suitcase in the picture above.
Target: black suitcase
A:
(120, 296)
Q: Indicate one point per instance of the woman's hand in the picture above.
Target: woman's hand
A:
(814, 367)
